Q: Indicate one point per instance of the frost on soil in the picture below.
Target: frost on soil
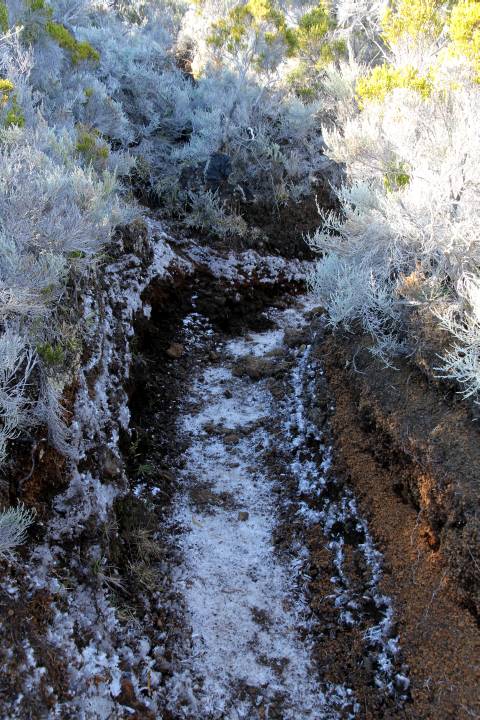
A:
(251, 633)
(249, 617)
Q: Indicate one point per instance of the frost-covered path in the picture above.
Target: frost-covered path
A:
(238, 593)
(251, 626)
(240, 597)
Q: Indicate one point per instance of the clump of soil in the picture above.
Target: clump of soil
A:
(283, 231)
(258, 368)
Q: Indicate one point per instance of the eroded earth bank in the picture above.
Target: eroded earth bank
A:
(256, 527)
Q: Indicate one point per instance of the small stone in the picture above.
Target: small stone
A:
(401, 683)
(209, 427)
(167, 475)
(175, 351)
(276, 388)
(370, 663)
(243, 515)
(127, 694)
(164, 665)
(293, 337)
(256, 368)
(314, 312)
(111, 466)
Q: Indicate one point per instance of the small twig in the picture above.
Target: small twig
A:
(32, 469)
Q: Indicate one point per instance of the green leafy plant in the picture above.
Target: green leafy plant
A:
(6, 87)
(52, 354)
(14, 116)
(13, 112)
(38, 5)
(247, 25)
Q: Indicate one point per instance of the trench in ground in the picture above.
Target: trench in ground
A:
(266, 586)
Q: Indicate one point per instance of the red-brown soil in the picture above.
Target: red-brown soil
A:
(412, 458)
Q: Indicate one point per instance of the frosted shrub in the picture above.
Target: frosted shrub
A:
(55, 219)
(352, 280)
(462, 320)
(341, 288)
(16, 364)
(360, 21)
(43, 232)
(273, 139)
(410, 209)
(207, 212)
(133, 96)
(413, 207)
(139, 74)
(14, 524)
(248, 61)
(78, 85)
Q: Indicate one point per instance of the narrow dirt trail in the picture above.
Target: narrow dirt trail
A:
(254, 484)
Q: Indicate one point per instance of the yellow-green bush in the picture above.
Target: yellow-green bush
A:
(34, 22)
(299, 79)
(13, 115)
(397, 176)
(313, 37)
(78, 50)
(412, 19)
(257, 16)
(36, 5)
(264, 20)
(375, 86)
(90, 145)
(464, 29)
(6, 87)
(4, 25)
(314, 26)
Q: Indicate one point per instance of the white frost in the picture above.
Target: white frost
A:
(243, 600)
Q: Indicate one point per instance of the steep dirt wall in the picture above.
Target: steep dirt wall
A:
(412, 457)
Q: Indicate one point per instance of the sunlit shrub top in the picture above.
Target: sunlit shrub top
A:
(384, 78)
(412, 20)
(464, 28)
